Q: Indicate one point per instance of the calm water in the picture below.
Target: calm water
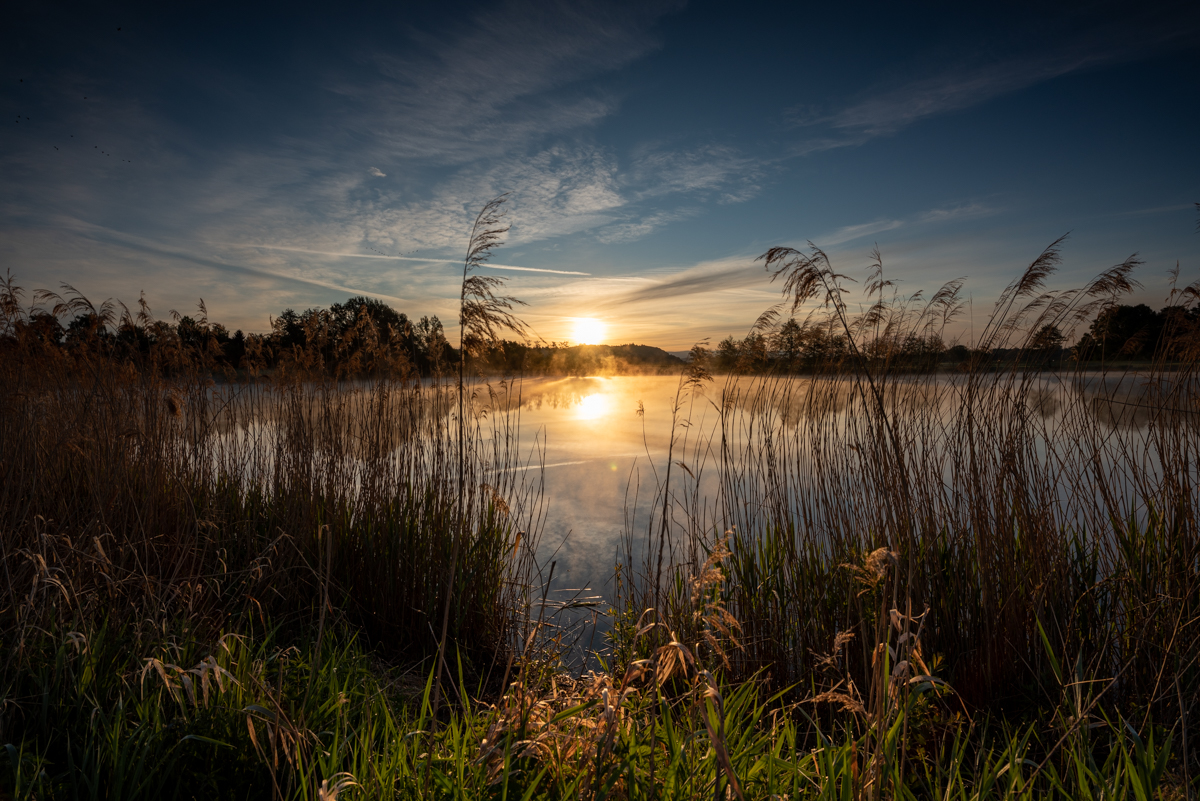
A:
(599, 448)
(605, 443)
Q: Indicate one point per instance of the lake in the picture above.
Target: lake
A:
(800, 451)
(592, 455)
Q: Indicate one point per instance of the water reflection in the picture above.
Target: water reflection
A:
(592, 406)
(606, 439)
(600, 456)
(600, 446)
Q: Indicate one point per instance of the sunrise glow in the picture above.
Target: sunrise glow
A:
(589, 331)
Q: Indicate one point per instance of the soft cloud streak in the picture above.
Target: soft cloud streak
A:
(849, 233)
(887, 111)
(488, 266)
(723, 275)
(485, 91)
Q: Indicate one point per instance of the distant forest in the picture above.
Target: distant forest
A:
(364, 336)
(1119, 333)
(358, 338)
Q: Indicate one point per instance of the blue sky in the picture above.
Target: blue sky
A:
(291, 156)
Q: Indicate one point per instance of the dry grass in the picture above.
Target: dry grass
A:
(904, 555)
(140, 489)
(1013, 501)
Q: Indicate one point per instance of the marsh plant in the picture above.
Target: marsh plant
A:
(961, 534)
(482, 317)
(870, 581)
(152, 503)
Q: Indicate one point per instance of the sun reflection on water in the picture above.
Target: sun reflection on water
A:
(592, 407)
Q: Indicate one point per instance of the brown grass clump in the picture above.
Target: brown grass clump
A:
(578, 729)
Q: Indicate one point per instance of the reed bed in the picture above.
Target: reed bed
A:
(1078, 520)
(253, 716)
(870, 582)
(150, 499)
(1038, 529)
(170, 488)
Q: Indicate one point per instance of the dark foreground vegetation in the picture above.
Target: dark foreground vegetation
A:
(903, 587)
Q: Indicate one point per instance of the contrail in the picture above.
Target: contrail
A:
(134, 242)
(403, 258)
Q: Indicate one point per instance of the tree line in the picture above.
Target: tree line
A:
(1119, 333)
(364, 336)
(359, 337)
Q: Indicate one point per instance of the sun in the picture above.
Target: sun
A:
(589, 331)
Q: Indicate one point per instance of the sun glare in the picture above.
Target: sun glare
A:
(589, 331)
(592, 407)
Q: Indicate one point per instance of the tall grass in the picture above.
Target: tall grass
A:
(482, 316)
(869, 582)
(993, 509)
(139, 494)
(250, 716)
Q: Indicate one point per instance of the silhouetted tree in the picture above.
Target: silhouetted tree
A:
(787, 345)
(1122, 332)
(1045, 347)
(727, 354)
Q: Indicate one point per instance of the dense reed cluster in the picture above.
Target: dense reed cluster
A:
(873, 581)
(996, 529)
(149, 507)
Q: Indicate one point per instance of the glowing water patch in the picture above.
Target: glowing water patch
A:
(593, 407)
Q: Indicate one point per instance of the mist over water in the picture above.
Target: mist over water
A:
(587, 458)
(603, 444)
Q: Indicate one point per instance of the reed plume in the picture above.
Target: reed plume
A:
(483, 315)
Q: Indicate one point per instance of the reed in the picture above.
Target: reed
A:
(254, 716)
(978, 514)
(982, 583)
(482, 316)
(142, 493)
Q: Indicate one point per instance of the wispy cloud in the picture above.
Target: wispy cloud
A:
(966, 211)
(887, 110)
(1158, 210)
(705, 170)
(849, 233)
(739, 273)
(485, 90)
(556, 191)
(890, 111)
(641, 226)
(723, 275)
(563, 190)
(138, 243)
(488, 266)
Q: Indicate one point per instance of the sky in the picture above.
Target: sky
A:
(271, 156)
